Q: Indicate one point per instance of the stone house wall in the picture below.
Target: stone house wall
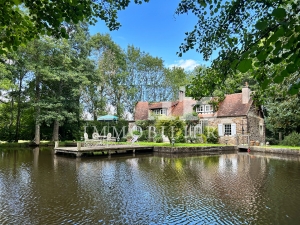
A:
(241, 123)
(256, 125)
(252, 125)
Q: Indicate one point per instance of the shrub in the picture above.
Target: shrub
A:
(272, 140)
(136, 132)
(146, 137)
(201, 138)
(211, 134)
(180, 138)
(173, 127)
(293, 139)
(123, 139)
(158, 138)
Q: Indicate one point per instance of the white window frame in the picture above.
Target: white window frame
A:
(160, 111)
(204, 109)
(261, 129)
(200, 108)
(163, 112)
(227, 129)
(221, 129)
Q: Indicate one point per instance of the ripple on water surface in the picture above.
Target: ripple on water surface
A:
(222, 189)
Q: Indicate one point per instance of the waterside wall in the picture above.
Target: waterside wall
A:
(194, 149)
(275, 150)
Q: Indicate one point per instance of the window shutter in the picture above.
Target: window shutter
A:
(220, 129)
(233, 129)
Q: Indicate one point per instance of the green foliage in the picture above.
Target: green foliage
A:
(292, 139)
(158, 138)
(136, 132)
(249, 36)
(180, 138)
(147, 136)
(145, 124)
(283, 112)
(171, 128)
(211, 134)
(22, 20)
(175, 78)
(200, 138)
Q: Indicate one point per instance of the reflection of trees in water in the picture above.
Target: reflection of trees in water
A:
(229, 186)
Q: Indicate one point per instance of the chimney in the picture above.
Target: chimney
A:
(246, 94)
(181, 93)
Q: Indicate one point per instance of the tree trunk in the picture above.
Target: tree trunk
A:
(56, 122)
(10, 125)
(37, 135)
(55, 131)
(18, 123)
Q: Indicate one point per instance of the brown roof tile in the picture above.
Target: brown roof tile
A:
(156, 105)
(177, 109)
(141, 111)
(183, 107)
(232, 106)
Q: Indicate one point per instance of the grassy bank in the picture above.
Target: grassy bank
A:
(283, 146)
(22, 143)
(176, 144)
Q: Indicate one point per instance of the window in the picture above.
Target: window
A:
(200, 108)
(227, 129)
(261, 129)
(160, 111)
(163, 111)
(204, 109)
(208, 108)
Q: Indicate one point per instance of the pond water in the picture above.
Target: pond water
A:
(38, 187)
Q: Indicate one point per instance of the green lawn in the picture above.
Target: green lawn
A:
(283, 146)
(176, 144)
(46, 143)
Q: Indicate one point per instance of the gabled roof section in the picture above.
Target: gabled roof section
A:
(141, 111)
(155, 105)
(162, 105)
(233, 106)
(183, 107)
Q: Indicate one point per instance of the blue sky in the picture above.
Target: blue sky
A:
(154, 28)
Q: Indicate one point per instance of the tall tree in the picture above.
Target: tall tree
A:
(248, 35)
(24, 20)
(175, 77)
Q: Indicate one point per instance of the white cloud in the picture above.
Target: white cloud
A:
(186, 64)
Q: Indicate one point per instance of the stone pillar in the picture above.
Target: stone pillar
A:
(280, 136)
(78, 146)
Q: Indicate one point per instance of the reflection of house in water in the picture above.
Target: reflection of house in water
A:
(240, 179)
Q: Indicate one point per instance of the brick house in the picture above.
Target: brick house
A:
(237, 118)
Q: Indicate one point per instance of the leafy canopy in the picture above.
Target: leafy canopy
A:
(23, 20)
(247, 34)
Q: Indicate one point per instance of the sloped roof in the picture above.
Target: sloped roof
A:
(178, 109)
(162, 105)
(141, 111)
(183, 107)
(233, 106)
(156, 105)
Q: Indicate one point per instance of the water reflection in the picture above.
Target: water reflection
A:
(38, 187)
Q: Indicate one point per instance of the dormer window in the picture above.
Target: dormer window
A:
(204, 109)
(160, 111)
